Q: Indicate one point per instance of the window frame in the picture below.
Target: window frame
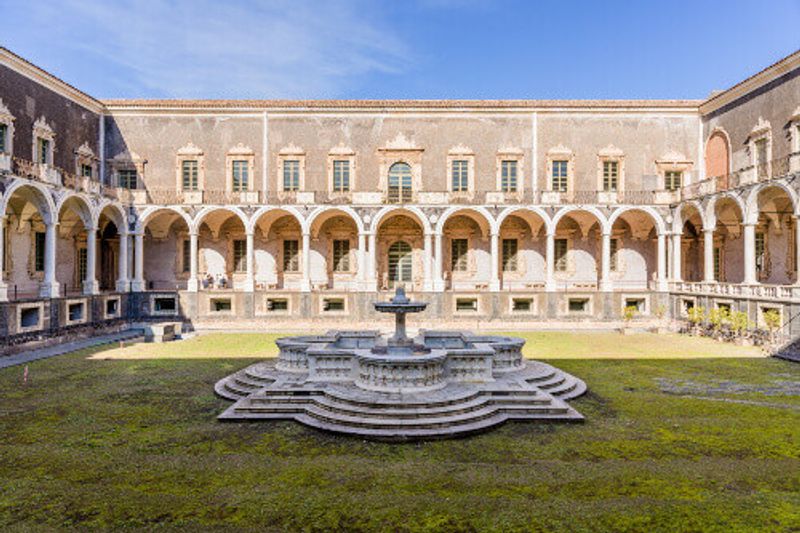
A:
(459, 258)
(239, 256)
(509, 260)
(340, 256)
(290, 256)
(560, 264)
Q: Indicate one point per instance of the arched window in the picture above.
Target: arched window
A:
(400, 263)
(399, 183)
(717, 156)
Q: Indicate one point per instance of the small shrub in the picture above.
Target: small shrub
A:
(629, 313)
(772, 319)
(740, 323)
(718, 317)
(697, 316)
(660, 311)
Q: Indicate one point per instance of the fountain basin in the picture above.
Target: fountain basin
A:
(398, 373)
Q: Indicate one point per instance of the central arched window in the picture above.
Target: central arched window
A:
(400, 263)
(399, 183)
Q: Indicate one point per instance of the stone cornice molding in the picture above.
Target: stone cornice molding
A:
(401, 143)
(460, 149)
(342, 150)
(611, 151)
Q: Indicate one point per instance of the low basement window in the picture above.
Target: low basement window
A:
(332, 305)
(688, 305)
(112, 308)
(522, 305)
(578, 305)
(29, 318)
(466, 305)
(638, 303)
(75, 311)
(221, 305)
(164, 305)
(724, 307)
(277, 305)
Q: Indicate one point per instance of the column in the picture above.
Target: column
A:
(361, 260)
(797, 249)
(708, 255)
(250, 263)
(305, 283)
(438, 281)
(123, 285)
(371, 282)
(193, 285)
(427, 284)
(50, 287)
(661, 278)
(90, 285)
(550, 253)
(138, 267)
(677, 264)
(605, 264)
(3, 285)
(494, 281)
(750, 254)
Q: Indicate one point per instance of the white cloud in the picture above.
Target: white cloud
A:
(207, 48)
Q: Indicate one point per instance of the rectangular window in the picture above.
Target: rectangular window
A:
(560, 176)
(291, 256)
(466, 305)
(610, 175)
(39, 239)
(509, 255)
(189, 172)
(277, 304)
(578, 305)
(3, 138)
(761, 157)
(186, 256)
(341, 255)
(560, 255)
(86, 171)
(508, 176)
(460, 175)
(673, 180)
(240, 178)
(291, 175)
(458, 255)
(341, 176)
(42, 151)
(760, 252)
(614, 247)
(127, 178)
(522, 305)
(82, 256)
(717, 262)
(239, 255)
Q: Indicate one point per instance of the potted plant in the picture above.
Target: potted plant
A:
(740, 324)
(628, 314)
(696, 317)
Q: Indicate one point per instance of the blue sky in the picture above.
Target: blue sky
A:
(401, 48)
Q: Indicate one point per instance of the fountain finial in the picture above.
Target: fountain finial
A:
(400, 305)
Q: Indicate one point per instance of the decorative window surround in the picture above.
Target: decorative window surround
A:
(112, 311)
(85, 156)
(43, 133)
(511, 154)
(532, 302)
(636, 296)
(190, 152)
(558, 153)
(794, 132)
(761, 132)
(129, 161)
(39, 307)
(291, 152)
(68, 321)
(342, 153)
(672, 161)
(610, 154)
(400, 150)
(461, 153)
(6, 151)
(240, 152)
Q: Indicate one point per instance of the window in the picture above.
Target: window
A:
(86, 171)
(400, 183)
(291, 175)
(39, 245)
(277, 304)
(578, 305)
(760, 252)
(189, 173)
(341, 176)
(75, 312)
(291, 256)
(761, 157)
(673, 180)
(127, 178)
(610, 175)
(221, 305)
(522, 305)
(82, 256)
(400, 263)
(508, 176)
(458, 255)
(717, 262)
(42, 151)
(3, 138)
(509, 255)
(240, 177)
(560, 255)
(460, 175)
(466, 304)
(560, 176)
(333, 305)
(613, 248)
(239, 255)
(341, 255)
(186, 256)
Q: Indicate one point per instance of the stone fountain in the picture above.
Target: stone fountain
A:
(437, 384)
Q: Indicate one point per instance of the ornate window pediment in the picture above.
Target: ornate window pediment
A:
(401, 142)
(43, 146)
(291, 173)
(611, 151)
(190, 168)
(6, 130)
(341, 170)
(85, 161)
(760, 145)
(127, 170)
(292, 149)
(190, 149)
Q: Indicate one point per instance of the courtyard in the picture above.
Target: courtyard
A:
(681, 433)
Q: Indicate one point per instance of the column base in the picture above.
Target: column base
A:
(3, 291)
(91, 287)
(50, 290)
(192, 285)
(494, 285)
(137, 285)
(249, 285)
(662, 285)
(305, 285)
(123, 285)
(438, 285)
(550, 285)
(606, 286)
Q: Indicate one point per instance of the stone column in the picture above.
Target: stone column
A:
(250, 280)
(661, 276)
(438, 280)
(305, 282)
(550, 278)
(50, 287)
(797, 249)
(361, 257)
(677, 264)
(3, 285)
(708, 255)
(193, 284)
(123, 284)
(427, 284)
(605, 264)
(371, 283)
(494, 281)
(749, 254)
(90, 285)
(138, 267)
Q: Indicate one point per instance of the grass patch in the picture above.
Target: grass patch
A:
(133, 442)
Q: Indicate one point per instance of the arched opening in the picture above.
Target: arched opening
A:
(166, 234)
(717, 156)
(522, 249)
(775, 237)
(109, 223)
(728, 248)
(400, 264)
(634, 250)
(467, 252)
(221, 250)
(72, 269)
(691, 246)
(334, 251)
(400, 183)
(392, 230)
(278, 247)
(577, 248)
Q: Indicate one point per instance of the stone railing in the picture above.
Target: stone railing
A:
(773, 292)
(775, 169)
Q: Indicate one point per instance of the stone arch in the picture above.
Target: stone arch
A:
(488, 219)
(718, 153)
(679, 217)
(710, 212)
(343, 210)
(85, 207)
(548, 223)
(200, 217)
(752, 199)
(250, 225)
(120, 217)
(601, 218)
(654, 215)
(412, 211)
(150, 212)
(41, 198)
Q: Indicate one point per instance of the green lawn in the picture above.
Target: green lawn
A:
(128, 438)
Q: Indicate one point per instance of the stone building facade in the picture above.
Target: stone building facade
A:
(287, 212)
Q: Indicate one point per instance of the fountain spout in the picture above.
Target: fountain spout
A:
(400, 305)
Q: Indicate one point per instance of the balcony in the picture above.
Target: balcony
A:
(772, 292)
(775, 169)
